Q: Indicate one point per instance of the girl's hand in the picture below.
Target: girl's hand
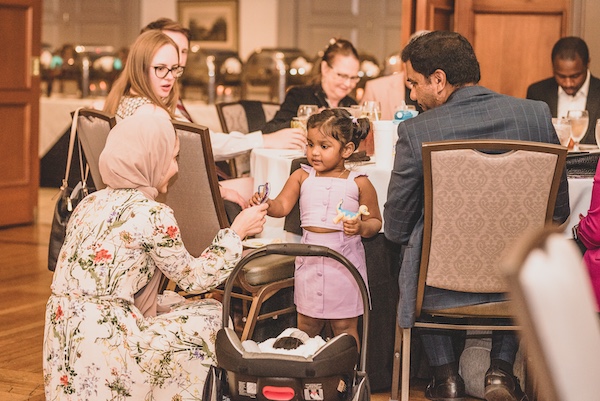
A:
(255, 199)
(250, 221)
(352, 226)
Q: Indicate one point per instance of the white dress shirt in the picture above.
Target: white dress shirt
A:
(576, 102)
(227, 146)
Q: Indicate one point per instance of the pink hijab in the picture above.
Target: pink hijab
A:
(138, 153)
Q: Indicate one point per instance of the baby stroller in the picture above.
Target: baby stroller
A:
(330, 374)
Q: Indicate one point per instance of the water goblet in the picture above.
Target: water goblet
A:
(563, 130)
(579, 121)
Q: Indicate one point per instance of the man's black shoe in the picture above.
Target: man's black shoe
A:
(450, 389)
(502, 386)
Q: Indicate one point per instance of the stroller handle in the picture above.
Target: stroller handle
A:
(292, 249)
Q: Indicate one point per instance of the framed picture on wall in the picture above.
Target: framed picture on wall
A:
(212, 24)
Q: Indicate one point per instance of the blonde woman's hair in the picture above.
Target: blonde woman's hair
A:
(135, 75)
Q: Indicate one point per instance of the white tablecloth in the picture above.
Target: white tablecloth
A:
(580, 196)
(273, 166)
(55, 117)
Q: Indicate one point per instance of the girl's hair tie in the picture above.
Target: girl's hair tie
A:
(354, 120)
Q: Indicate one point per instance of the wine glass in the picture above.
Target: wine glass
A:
(372, 110)
(562, 126)
(306, 110)
(579, 120)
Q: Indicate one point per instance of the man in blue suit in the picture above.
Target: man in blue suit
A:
(444, 74)
(572, 86)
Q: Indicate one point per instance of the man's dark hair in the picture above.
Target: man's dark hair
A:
(446, 51)
(568, 48)
(166, 24)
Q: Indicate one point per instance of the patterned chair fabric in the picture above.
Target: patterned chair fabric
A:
(235, 119)
(481, 204)
(476, 204)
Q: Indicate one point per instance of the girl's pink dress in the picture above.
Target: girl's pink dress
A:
(324, 288)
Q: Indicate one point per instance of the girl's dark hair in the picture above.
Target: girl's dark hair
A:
(339, 124)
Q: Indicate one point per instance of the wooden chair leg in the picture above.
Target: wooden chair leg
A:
(257, 300)
(396, 365)
(406, 334)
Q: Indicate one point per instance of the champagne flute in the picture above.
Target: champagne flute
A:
(579, 120)
(598, 132)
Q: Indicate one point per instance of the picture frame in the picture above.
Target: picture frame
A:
(212, 24)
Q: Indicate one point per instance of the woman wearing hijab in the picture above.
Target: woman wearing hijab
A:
(103, 339)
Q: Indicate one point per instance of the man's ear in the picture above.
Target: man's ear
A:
(348, 149)
(438, 78)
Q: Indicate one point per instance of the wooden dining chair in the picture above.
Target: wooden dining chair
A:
(480, 196)
(556, 309)
(244, 116)
(93, 127)
(195, 199)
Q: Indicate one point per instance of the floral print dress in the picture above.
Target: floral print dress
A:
(97, 344)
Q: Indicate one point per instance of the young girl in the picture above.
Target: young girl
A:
(324, 289)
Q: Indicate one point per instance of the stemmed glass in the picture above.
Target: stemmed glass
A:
(306, 110)
(563, 130)
(372, 110)
(579, 120)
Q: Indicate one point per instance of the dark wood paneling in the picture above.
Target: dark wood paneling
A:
(19, 110)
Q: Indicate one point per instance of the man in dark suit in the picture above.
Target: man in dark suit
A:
(572, 87)
(444, 72)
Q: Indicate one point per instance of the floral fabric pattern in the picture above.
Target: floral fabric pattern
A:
(97, 344)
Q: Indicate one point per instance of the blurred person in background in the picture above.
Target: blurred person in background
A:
(337, 78)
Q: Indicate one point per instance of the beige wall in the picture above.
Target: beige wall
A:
(591, 33)
(257, 21)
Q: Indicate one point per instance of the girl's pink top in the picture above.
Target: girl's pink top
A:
(319, 197)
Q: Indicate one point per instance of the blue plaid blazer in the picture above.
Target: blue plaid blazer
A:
(470, 112)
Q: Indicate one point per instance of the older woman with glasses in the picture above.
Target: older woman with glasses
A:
(148, 82)
(337, 78)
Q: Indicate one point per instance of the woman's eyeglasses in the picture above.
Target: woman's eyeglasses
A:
(161, 71)
(343, 77)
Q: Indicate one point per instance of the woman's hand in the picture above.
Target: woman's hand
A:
(233, 196)
(286, 138)
(250, 221)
